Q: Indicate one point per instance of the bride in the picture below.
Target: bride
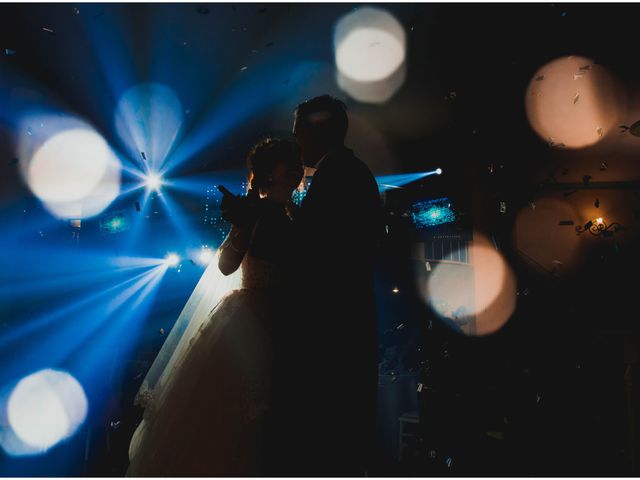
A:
(207, 393)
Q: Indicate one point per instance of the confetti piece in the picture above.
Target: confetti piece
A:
(449, 461)
(585, 67)
(432, 454)
(556, 262)
(532, 205)
(540, 78)
(427, 265)
(161, 331)
(503, 207)
(137, 206)
(29, 131)
(576, 98)
(400, 327)
(144, 157)
(600, 131)
(586, 179)
(597, 203)
(419, 387)
(48, 30)
(242, 69)
(604, 166)
(9, 52)
(538, 397)
(114, 425)
(76, 10)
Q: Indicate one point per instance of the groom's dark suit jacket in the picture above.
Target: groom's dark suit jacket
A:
(337, 230)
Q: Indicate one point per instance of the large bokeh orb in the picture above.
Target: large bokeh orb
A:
(370, 53)
(476, 297)
(148, 119)
(74, 173)
(573, 102)
(46, 407)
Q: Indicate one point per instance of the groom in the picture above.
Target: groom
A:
(332, 379)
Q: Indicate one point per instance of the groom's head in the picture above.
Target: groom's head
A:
(320, 126)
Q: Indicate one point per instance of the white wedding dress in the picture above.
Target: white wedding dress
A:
(206, 394)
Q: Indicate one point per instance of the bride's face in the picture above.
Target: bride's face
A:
(285, 178)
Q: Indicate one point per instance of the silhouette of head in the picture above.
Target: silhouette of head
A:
(320, 125)
(275, 168)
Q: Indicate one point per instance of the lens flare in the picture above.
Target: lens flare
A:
(370, 52)
(73, 171)
(476, 298)
(46, 407)
(573, 102)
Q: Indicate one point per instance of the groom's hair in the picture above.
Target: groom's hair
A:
(325, 115)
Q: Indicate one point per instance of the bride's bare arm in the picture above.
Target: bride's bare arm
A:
(233, 249)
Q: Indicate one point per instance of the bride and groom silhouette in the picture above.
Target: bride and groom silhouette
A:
(281, 378)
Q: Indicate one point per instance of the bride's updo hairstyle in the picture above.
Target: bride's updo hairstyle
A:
(264, 157)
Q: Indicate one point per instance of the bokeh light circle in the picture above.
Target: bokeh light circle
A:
(148, 119)
(46, 407)
(573, 102)
(370, 54)
(68, 165)
(477, 297)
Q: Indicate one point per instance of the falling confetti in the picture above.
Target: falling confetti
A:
(576, 98)
(449, 461)
(144, 157)
(161, 331)
(634, 129)
(432, 454)
(427, 266)
(538, 397)
(115, 424)
(137, 206)
(604, 166)
(600, 131)
(419, 387)
(29, 131)
(400, 327)
(532, 205)
(585, 67)
(586, 179)
(503, 207)
(48, 30)
(395, 290)
(597, 203)
(9, 52)
(540, 78)
(76, 10)
(242, 69)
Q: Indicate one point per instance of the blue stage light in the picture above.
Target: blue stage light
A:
(206, 254)
(153, 181)
(46, 407)
(172, 260)
(438, 171)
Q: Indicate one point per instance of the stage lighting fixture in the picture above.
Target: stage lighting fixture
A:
(172, 259)
(206, 254)
(438, 171)
(153, 181)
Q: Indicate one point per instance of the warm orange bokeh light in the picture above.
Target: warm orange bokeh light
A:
(479, 296)
(573, 102)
